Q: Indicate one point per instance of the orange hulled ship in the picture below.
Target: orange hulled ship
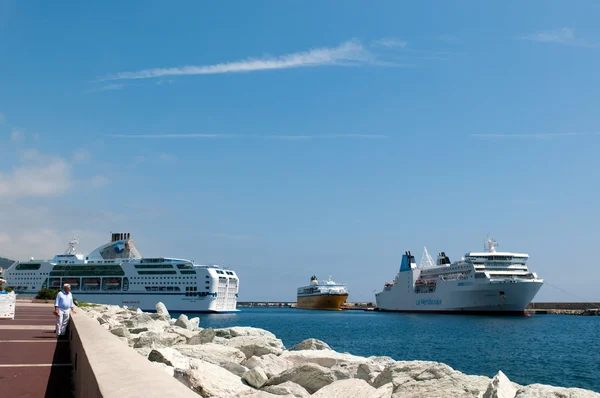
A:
(327, 295)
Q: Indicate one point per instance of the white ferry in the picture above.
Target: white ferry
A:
(116, 273)
(487, 282)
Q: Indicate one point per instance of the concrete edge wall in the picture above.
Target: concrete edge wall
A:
(104, 366)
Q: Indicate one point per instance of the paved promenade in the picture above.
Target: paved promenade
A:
(33, 362)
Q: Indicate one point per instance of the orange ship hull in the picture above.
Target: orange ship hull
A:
(324, 302)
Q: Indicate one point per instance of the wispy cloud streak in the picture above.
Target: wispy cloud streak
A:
(565, 36)
(108, 87)
(348, 53)
(535, 135)
(270, 136)
(390, 42)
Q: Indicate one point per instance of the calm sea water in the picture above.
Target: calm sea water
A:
(559, 350)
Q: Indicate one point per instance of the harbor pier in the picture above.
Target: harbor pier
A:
(88, 362)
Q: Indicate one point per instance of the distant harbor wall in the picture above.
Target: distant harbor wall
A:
(565, 308)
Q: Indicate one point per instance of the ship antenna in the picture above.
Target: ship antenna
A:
(72, 245)
(490, 244)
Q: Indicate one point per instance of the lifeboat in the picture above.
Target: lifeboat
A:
(431, 283)
(112, 282)
(420, 282)
(91, 282)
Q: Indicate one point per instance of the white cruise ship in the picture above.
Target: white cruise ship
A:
(488, 282)
(116, 273)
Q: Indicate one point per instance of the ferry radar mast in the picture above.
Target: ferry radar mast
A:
(490, 244)
(426, 260)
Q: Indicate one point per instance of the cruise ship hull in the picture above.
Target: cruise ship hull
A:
(322, 302)
(462, 297)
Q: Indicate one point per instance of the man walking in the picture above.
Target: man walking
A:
(62, 309)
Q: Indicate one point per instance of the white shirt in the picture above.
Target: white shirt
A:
(64, 301)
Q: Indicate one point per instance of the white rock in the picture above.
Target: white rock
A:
(213, 353)
(169, 357)
(309, 375)
(202, 337)
(157, 340)
(184, 322)
(237, 331)
(288, 388)
(138, 320)
(270, 363)
(344, 366)
(311, 344)
(234, 368)
(260, 394)
(211, 380)
(500, 387)
(220, 340)
(546, 391)
(430, 379)
(195, 322)
(257, 345)
(345, 389)
(186, 333)
(255, 377)
(161, 309)
(120, 331)
(385, 391)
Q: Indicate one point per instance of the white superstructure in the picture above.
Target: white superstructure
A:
(488, 282)
(116, 273)
(317, 288)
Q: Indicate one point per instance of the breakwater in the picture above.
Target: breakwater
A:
(252, 362)
(563, 308)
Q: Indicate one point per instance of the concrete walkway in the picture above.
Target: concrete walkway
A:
(33, 362)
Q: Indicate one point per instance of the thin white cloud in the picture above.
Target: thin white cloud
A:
(108, 87)
(30, 154)
(166, 157)
(270, 136)
(99, 181)
(449, 38)
(349, 53)
(534, 135)
(81, 156)
(17, 135)
(390, 42)
(565, 36)
(2, 118)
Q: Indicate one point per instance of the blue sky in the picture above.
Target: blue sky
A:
(285, 138)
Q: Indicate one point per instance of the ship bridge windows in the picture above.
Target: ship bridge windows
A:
(153, 266)
(28, 267)
(185, 266)
(157, 272)
(152, 260)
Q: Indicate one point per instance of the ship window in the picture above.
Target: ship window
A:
(157, 272)
(153, 266)
(28, 267)
(187, 272)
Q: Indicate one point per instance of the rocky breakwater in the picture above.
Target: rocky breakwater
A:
(253, 363)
